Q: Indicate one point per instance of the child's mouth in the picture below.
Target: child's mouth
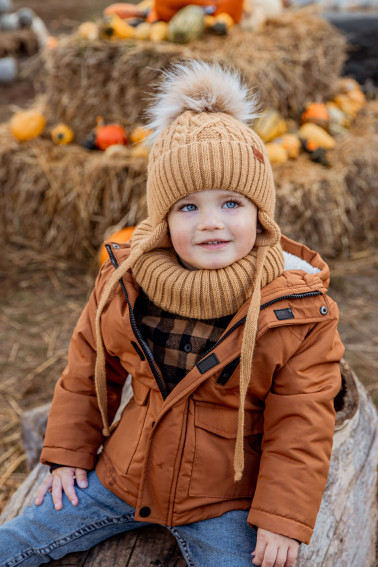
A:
(214, 244)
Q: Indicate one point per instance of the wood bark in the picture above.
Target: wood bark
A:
(345, 531)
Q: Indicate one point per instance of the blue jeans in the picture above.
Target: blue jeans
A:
(42, 533)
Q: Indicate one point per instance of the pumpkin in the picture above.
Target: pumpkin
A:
(152, 16)
(347, 105)
(166, 9)
(225, 18)
(110, 135)
(139, 134)
(337, 116)
(270, 125)
(316, 137)
(219, 28)
(346, 84)
(88, 30)
(209, 21)
(188, 24)
(291, 143)
(113, 27)
(336, 130)
(62, 134)
(358, 97)
(276, 153)
(125, 11)
(143, 31)
(27, 124)
(316, 113)
(139, 151)
(159, 31)
(117, 150)
(119, 237)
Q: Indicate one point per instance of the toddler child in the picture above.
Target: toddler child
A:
(231, 341)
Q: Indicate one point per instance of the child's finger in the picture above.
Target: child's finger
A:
(281, 557)
(270, 554)
(259, 551)
(81, 478)
(57, 492)
(68, 487)
(43, 489)
(292, 555)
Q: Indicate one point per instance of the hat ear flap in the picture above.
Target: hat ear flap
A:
(271, 234)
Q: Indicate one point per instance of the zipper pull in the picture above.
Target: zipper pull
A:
(111, 256)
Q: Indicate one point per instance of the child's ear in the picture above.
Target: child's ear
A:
(259, 228)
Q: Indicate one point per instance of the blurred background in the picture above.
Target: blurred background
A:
(68, 71)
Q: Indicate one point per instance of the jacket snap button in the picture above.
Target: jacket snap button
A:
(323, 310)
(145, 511)
(116, 246)
(187, 347)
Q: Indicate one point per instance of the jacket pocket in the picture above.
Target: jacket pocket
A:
(213, 465)
(122, 444)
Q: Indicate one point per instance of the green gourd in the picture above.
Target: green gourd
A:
(187, 24)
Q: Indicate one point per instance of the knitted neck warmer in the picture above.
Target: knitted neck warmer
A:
(198, 294)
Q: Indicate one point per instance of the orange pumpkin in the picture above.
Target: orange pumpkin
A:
(139, 134)
(125, 11)
(166, 9)
(120, 237)
(110, 135)
(316, 113)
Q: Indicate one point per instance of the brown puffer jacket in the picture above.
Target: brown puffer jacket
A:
(172, 459)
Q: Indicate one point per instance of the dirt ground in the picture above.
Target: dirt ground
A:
(41, 299)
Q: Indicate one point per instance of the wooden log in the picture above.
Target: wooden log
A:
(348, 509)
(33, 428)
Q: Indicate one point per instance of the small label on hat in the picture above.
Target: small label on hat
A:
(258, 155)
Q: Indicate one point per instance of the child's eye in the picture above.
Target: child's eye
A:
(231, 204)
(188, 208)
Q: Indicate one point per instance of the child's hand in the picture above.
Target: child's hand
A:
(61, 479)
(274, 550)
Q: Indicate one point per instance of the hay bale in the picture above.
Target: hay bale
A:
(63, 198)
(295, 58)
(334, 210)
(17, 43)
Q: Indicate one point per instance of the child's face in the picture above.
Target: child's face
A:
(212, 229)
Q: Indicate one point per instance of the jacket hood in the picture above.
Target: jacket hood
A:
(299, 257)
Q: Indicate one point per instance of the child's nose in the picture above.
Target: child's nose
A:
(210, 220)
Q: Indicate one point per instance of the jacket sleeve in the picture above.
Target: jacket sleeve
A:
(299, 419)
(74, 427)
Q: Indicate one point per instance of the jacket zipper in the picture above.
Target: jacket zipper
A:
(293, 296)
(146, 351)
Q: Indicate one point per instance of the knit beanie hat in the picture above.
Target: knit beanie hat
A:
(201, 141)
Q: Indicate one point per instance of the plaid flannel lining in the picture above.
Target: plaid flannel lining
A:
(175, 342)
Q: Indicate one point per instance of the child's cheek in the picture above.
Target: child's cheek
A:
(180, 236)
(181, 241)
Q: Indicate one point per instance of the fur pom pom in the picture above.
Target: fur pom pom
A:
(200, 87)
